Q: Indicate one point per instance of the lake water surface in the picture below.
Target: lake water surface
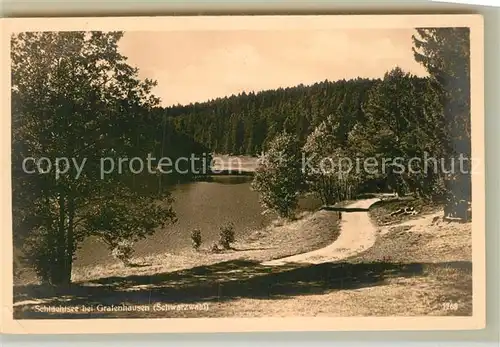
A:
(202, 205)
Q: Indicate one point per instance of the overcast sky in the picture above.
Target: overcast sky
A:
(201, 65)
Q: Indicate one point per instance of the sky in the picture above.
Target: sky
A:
(195, 66)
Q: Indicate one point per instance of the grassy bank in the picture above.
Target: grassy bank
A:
(94, 285)
(225, 162)
(421, 266)
(311, 231)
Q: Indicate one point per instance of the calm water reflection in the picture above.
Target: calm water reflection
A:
(204, 205)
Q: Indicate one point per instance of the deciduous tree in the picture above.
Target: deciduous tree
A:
(74, 96)
(278, 177)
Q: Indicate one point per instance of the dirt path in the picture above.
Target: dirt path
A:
(420, 267)
(357, 233)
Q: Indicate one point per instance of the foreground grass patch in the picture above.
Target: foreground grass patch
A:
(245, 288)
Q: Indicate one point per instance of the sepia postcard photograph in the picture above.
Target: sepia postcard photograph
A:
(243, 173)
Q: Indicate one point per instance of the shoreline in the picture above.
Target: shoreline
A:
(310, 232)
(313, 235)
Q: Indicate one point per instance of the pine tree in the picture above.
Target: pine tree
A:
(445, 53)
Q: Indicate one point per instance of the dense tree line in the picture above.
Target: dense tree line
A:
(382, 148)
(399, 115)
(246, 123)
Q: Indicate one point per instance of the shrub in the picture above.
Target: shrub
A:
(215, 248)
(226, 235)
(196, 238)
(123, 251)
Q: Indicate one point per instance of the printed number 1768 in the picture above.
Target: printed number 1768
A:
(453, 306)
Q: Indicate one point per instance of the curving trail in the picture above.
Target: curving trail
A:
(357, 233)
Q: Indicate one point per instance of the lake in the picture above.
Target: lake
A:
(202, 205)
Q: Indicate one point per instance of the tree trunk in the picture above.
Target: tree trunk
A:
(60, 273)
(70, 247)
(48, 269)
